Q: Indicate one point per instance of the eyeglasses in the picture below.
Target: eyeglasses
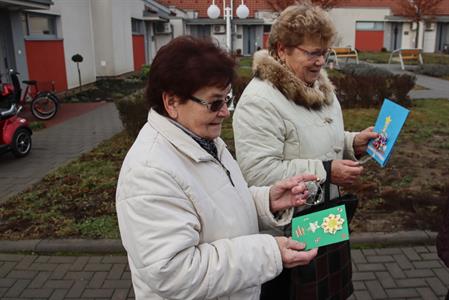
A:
(314, 55)
(215, 105)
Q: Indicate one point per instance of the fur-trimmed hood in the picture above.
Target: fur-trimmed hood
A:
(265, 67)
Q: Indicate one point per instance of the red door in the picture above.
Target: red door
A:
(46, 62)
(138, 51)
(369, 40)
(266, 36)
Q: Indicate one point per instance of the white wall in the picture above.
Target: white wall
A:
(76, 30)
(220, 38)
(161, 40)
(102, 32)
(122, 12)
(113, 35)
(346, 18)
(178, 27)
(430, 37)
(408, 36)
(238, 42)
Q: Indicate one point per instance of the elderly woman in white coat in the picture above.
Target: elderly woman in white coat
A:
(188, 220)
(288, 121)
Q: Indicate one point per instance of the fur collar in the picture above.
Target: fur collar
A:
(265, 67)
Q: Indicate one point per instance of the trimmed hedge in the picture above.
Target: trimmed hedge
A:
(361, 86)
(365, 86)
(133, 112)
(434, 70)
(107, 89)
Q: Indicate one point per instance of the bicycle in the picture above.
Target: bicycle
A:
(44, 104)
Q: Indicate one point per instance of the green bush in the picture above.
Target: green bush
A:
(144, 71)
(364, 85)
(133, 111)
(239, 85)
(435, 70)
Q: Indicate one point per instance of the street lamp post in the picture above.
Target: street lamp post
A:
(242, 12)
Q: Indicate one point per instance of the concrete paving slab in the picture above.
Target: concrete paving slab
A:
(102, 277)
(57, 145)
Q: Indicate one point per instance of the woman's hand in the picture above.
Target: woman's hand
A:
(345, 172)
(361, 140)
(291, 253)
(290, 192)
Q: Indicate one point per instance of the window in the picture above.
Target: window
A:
(370, 26)
(162, 27)
(200, 31)
(136, 26)
(39, 25)
(430, 26)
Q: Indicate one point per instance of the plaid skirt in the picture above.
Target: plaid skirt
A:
(327, 277)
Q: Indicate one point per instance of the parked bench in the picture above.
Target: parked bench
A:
(404, 55)
(343, 52)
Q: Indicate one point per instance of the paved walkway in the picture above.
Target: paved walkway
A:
(55, 146)
(436, 88)
(383, 273)
(380, 273)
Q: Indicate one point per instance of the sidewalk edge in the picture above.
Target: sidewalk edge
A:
(115, 246)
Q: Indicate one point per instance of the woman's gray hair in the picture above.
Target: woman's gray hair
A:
(297, 22)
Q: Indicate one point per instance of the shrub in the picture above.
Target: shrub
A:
(107, 89)
(133, 111)
(144, 71)
(364, 85)
(239, 85)
(435, 70)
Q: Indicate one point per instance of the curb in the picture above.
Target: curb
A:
(63, 245)
(115, 246)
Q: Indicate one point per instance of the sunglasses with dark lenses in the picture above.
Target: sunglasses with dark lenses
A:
(215, 105)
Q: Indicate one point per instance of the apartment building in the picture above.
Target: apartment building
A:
(368, 25)
(39, 37)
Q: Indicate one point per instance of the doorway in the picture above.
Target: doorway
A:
(249, 40)
(396, 36)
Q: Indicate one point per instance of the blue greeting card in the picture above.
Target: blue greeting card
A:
(389, 124)
(321, 228)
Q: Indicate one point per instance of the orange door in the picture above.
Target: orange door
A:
(138, 51)
(46, 62)
(367, 40)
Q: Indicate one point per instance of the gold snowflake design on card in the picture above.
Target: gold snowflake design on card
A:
(332, 223)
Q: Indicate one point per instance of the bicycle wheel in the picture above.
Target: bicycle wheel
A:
(44, 106)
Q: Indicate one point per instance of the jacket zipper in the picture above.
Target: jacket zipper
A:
(227, 172)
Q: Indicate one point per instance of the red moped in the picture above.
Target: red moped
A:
(15, 133)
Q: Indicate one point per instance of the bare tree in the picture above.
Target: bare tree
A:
(418, 10)
(280, 5)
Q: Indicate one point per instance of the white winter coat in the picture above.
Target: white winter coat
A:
(284, 128)
(189, 233)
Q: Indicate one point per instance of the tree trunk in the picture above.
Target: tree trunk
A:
(417, 35)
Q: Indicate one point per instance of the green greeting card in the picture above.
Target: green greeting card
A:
(321, 228)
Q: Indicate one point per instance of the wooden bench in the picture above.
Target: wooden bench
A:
(404, 55)
(343, 52)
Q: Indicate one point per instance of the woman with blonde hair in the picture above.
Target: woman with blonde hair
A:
(289, 121)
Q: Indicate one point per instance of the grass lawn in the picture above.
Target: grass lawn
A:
(374, 57)
(77, 200)
(383, 57)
